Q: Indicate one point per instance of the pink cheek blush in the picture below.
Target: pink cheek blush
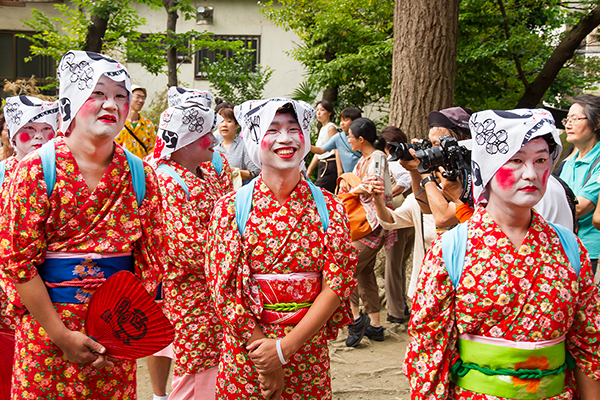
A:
(87, 107)
(205, 142)
(545, 176)
(266, 143)
(505, 178)
(50, 136)
(24, 137)
(301, 135)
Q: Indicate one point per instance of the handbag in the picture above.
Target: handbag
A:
(357, 215)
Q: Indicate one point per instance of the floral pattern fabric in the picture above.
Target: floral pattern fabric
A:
(107, 220)
(198, 331)
(279, 239)
(528, 294)
(144, 131)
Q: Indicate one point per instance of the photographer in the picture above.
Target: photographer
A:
(452, 122)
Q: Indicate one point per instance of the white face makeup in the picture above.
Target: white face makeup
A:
(31, 137)
(103, 113)
(282, 147)
(521, 181)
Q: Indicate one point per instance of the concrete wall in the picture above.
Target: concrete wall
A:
(231, 17)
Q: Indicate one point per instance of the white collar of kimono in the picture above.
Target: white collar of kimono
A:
(182, 125)
(255, 117)
(498, 135)
(78, 74)
(21, 110)
(178, 95)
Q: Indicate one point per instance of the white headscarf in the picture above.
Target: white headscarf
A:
(182, 125)
(178, 95)
(255, 117)
(78, 74)
(21, 110)
(499, 135)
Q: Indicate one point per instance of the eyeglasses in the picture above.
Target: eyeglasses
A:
(574, 120)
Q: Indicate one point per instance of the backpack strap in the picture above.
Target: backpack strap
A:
(2, 171)
(589, 173)
(569, 244)
(167, 169)
(48, 155)
(217, 162)
(454, 249)
(243, 205)
(138, 175)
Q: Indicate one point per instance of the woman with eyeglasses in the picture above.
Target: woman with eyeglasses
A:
(582, 170)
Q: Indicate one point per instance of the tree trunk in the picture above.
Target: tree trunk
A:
(424, 64)
(95, 34)
(331, 94)
(171, 52)
(561, 54)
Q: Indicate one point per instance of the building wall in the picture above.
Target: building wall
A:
(231, 17)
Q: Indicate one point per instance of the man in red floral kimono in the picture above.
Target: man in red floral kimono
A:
(88, 224)
(281, 272)
(506, 305)
(184, 141)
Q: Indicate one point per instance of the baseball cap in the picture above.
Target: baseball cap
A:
(138, 87)
(454, 117)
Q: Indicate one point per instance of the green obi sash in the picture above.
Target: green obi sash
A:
(514, 370)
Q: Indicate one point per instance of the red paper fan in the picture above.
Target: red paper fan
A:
(125, 319)
(7, 351)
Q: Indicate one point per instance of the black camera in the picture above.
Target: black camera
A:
(399, 151)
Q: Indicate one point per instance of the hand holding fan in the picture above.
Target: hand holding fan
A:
(124, 318)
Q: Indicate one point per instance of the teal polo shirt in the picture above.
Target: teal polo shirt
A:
(573, 173)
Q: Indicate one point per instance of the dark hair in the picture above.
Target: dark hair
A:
(328, 107)
(227, 113)
(351, 113)
(224, 104)
(393, 134)
(591, 110)
(365, 128)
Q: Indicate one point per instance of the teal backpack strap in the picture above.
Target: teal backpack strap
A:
(321, 205)
(217, 162)
(48, 155)
(569, 243)
(243, 205)
(167, 169)
(2, 171)
(454, 249)
(138, 176)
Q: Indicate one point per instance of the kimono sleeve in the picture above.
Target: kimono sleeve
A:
(237, 300)
(432, 330)
(149, 248)
(340, 262)
(23, 240)
(583, 339)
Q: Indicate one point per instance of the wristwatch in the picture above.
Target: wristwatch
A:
(426, 180)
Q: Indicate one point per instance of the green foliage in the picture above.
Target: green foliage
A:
(307, 91)
(233, 79)
(345, 44)
(487, 75)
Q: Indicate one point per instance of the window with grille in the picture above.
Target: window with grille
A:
(250, 42)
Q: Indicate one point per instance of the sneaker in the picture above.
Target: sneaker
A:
(356, 331)
(374, 333)
(396, 320)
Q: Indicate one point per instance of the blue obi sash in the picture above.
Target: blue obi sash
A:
(80, 274)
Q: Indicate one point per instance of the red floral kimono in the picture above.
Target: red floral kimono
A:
(528, 295)
(107, 220)
(278, 239)
(198, 331)
(8, 293)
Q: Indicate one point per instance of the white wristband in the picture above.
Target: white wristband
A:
(279, 352)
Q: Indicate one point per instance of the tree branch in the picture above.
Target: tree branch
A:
(561, 54)
(514, 56)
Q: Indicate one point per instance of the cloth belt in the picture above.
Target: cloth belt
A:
(287, 297)
(514, 370)
(72, 277)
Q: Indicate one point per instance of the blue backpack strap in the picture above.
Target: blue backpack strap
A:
(454, 249)
(138, 176)
(48, 155)
(569, 243)
(321, 205)
(217, 162)
(2, 171)
(167, 169)
(243, 205)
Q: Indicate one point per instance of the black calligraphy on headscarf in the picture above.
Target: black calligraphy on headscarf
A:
(170, 138)
(12, 112)
(254, 127)
(65, 108)
(193, 119)
(495, 142)
(82, 73)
